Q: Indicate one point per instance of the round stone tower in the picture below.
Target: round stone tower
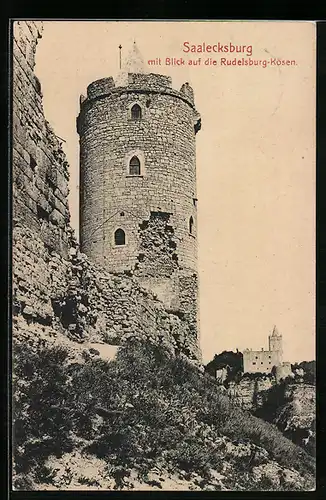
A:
(138, 201)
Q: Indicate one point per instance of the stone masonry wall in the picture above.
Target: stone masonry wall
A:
(164, 141)
(158, 270)
(260, 361)
(40, 170)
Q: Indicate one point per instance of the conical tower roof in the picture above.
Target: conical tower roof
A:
(275, 332)
(134, 62)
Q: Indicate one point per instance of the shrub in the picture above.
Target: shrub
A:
(269, 437)
(40, 392)
(145, 405)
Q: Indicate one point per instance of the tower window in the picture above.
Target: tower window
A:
(134, 166)
(32, 163)
(119, 237)
(136, 112)
(191, 225)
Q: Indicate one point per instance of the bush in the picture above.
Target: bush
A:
(40, 393)
(136, 409)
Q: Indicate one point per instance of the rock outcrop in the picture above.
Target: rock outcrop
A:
(297, 416)
(250, 393)
(290, 405)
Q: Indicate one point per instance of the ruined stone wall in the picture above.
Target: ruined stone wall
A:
(115, 308)
(38, 276)
(39, 169)
(82, 301)
(164, 141)
(56, 290)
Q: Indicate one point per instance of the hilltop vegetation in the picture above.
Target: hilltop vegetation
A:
(226, 359)
(309, 371)
(139, 411)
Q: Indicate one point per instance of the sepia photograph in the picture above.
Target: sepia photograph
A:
(163, 255)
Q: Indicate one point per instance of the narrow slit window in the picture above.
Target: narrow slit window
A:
(32, 163)
(191, 225)
(134, 166)
(119, 237)
(136, 112)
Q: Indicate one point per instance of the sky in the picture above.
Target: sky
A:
(255, 161)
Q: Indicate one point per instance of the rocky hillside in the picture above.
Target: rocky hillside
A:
(142, 420)
(290, 404)
(292, 407)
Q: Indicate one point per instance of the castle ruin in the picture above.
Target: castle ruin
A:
(143, 284)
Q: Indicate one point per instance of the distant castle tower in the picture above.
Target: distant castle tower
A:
(263, 361)
(275, 342)
(138, 200)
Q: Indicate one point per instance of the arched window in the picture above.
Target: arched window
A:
(119, 237)
(134, 166)
(136, 112)
(191, 224)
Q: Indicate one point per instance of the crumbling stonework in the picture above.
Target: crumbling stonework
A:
(38, 276)
(158, 270)
(79, 299)
(40, 170)
(158, 254)
(56, 289)
(157, 261)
